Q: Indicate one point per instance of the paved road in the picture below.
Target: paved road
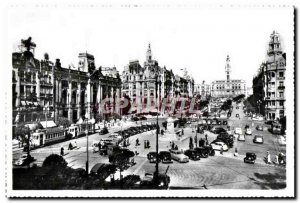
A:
(220, 171)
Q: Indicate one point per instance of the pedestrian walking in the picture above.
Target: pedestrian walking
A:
(75, 145)
(276, 159)
(137, 142)
(70, 146)
(206, 137)
(221, 150)
(173, 145)
(148, 144)
(236, 152)
(268, 158)
(176, 147)
(182, 132)
(61, 151)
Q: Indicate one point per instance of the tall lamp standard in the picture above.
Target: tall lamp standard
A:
(157, 82)
(87, 143)
(46, 111)
(259, 103)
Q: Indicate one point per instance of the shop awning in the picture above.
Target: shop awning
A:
(50, 124)
(31, 125)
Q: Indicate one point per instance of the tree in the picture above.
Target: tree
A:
(55, 160)
(62, 121)
(20, 131)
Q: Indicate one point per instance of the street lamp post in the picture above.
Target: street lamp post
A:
(156, 161)
(87, 145)
(46, 110)
(259, 103)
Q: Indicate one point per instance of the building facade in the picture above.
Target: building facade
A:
(203, 90)
(230, 87)
(138, 82)
(43, 89)
(269, 83)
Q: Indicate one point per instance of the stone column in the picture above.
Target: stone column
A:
(88, 102)
(78, 100)
(98, 93)
(69, 97)
(18, 90)
(101, 92)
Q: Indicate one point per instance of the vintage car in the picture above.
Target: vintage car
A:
(250, 158)
(203, 151)
(165, 157)
(241, 138)
(226, 138)
(148, 182)
(259, 139)
(24, 160)
(248, 131)
(102, 170)
(192, 154)
(178, 155)
(259, 127)
(238, 131)
(217, 145)
(152, 156)
(103, 131)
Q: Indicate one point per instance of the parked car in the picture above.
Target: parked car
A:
(178, 155)
(102, 170)
(24, 160)
(152, 156)
(241, 138)
(248, 131)
(203, 152)
(226, 138)
(217, 130)
(165, 157)
(238, 131)
(103, 131)
(259, 127)
(148, 181)
(192, 154)
(116, 137)
(218, 145)
(250, 158)
(259, 139)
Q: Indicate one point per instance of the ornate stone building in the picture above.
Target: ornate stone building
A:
(202, 89)
(139, 83)
(228, 88)
(43, 88)
(269, 83)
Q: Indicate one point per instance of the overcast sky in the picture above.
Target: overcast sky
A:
(198, 39)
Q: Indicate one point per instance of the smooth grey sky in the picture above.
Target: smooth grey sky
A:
(198, 39)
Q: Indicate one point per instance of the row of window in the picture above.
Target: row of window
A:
(272, 94)
(54, 135)
(273, 103)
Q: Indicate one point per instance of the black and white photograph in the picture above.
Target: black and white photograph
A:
(150, 100)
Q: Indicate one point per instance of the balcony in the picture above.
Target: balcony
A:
(43, 83)
(281, 87)
(280, 78)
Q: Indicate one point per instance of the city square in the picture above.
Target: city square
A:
(169, 111)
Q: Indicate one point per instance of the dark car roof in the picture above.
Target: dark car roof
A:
(164, 152)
